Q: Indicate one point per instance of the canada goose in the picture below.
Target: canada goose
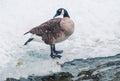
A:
(54, 31)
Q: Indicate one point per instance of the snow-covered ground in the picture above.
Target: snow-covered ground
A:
(97, 26)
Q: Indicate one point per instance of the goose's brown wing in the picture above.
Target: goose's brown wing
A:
(52, 26)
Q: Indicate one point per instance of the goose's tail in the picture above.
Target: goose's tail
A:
(26, 33)
(29, 40)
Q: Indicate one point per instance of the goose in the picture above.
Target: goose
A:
(54, 31)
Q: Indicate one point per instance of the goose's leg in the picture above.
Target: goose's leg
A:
(53, 54)
(55, 51)
(51, 49)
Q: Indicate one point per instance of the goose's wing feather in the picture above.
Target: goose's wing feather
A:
(51, 26)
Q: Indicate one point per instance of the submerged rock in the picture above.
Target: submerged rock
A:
(62, 76)
(12, 79)
(91, 69)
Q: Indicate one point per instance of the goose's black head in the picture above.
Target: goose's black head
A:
(61, 11)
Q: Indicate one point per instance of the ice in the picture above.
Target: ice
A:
(97, 25)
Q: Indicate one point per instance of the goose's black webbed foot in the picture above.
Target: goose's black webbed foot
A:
(54, 53)
(55, 56)
(58, 52)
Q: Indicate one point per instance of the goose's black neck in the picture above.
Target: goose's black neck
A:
(66, 14)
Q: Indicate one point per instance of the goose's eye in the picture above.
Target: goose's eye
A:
(59, 12)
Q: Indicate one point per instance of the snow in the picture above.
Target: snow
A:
(96, 34)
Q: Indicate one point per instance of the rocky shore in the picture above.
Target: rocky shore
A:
(91, 69)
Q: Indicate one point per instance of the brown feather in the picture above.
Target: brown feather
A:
(49, 30)
(54, 30)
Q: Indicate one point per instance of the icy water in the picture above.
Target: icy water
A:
(97, 25)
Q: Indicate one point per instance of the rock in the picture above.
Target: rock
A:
(98, 69)
(117, 77)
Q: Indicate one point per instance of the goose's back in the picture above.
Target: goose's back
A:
(52, 26)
